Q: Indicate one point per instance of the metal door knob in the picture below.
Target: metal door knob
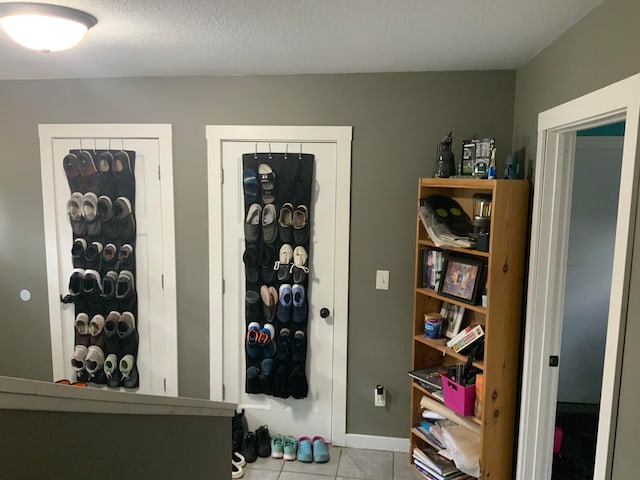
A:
(324, 312)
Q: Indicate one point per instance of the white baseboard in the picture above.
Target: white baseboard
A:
(373, 442)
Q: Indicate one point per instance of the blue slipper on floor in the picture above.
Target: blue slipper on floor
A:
(304, 450)
(320, 450)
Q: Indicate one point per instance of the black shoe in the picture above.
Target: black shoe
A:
(263, 442)
(123, 168)
(249, 448)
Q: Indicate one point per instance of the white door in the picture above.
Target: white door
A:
(313, 415)
(156, 327)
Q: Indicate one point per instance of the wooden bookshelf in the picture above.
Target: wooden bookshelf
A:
(501, 318)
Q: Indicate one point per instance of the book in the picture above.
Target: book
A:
(429, 376)
(465, 338)
(435, 462)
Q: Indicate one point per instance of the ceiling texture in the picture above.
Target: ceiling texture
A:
(265, 37)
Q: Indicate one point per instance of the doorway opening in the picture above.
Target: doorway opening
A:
(594, 206)
(548, 273)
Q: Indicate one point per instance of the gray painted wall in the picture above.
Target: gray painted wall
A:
(77, 446)
(589, 266)
(597, 51)
(397, 120)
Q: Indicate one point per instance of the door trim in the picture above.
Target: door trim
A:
(547, 270)
(341, 136)
(161, 133)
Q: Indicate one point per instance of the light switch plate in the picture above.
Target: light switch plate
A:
(382, 279)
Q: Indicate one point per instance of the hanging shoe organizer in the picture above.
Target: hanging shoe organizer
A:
(277, 200)
(102, 286)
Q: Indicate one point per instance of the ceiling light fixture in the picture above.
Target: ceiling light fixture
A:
(44, 27)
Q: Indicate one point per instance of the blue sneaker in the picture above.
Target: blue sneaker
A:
(320, 450)
(304, 450)
(253, 332)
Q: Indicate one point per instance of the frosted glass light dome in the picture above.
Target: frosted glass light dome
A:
(43, 27)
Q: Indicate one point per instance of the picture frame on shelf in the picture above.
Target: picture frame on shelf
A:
(461, 278)
(452, 314)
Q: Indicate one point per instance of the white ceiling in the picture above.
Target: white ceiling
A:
(219, 37)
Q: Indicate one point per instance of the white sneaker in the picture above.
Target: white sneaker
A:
(299, 267)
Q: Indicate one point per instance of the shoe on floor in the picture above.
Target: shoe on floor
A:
(249, 448)
(236, 471)
(305, 453)
(320, 450)
(277, 446)
(290, 448)
(263, 441)
(237, 459)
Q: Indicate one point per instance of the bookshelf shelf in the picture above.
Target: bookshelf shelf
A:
(441, 345)
(467, 251)
(432, 293)
(501, 319)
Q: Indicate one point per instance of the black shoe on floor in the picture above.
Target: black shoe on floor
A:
(263, 442)
(249, 447)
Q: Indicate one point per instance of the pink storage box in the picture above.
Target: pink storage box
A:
(458, 397)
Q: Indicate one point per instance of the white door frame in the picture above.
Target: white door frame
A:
(100, 132)
(341, 136)
(547, 271)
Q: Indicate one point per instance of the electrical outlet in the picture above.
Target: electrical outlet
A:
(380, 396)
(382, 279)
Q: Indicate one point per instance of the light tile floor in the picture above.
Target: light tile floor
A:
(345, 464)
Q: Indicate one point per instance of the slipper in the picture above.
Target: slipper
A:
(236, 471)
(92, 285)
(93, 256)
(301, 225)
(238, 459)
(107, 180)
(305, 454)
(285, 223)
(250, 259)
(126, 259)
(123, 212)
(128, 333)
(94, 360)
(299, 303)
(290, 449)
(78, 253)
(72, 171)
(252, 223)
(76, 282)
(74, 211)
(250, 185)
(109, 281)
(90, 214)
(109, 256)
(108, 221)
(266, 378)
(77, 359)
(269, 225)
(96, 325)
(112, 342)
(124, 180)
(89, 172)
(283, 265)
(82, 323)
(320, 450)
(267, 179)
(299, 267)
(298, 384)
(277, 446)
